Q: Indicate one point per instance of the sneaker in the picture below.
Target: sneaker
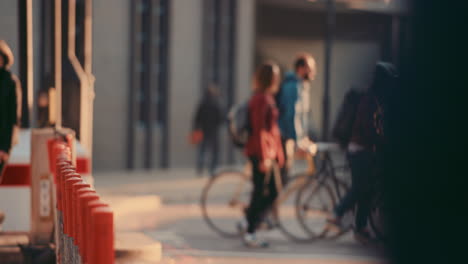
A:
(252, 241)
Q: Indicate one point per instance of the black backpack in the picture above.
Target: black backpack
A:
(343, 128)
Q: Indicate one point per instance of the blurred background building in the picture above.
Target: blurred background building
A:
(152, 59)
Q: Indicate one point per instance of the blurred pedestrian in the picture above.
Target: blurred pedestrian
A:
(293, 100)
(264, 150)
(365, 149)
(10, 104)
(209, 117)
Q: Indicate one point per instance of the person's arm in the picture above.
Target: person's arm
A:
(18, 109)
(266, 123)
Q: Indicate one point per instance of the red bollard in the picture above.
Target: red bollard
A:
(54, 147)
(83, 201)
(67, 173)
(74, 208)
(102, 236)
(87, 228)
(68, 203)
(61, 168)
(79, 193)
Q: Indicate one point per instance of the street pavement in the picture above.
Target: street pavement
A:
(164, 205)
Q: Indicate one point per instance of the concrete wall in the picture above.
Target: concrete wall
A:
(184, 77)
(9, 28)
(111, 67)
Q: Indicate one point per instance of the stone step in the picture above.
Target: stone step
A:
(136, 247)
(134, 213)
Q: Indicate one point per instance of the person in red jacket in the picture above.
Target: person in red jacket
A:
(264, 149)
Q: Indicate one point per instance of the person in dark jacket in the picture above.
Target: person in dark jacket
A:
(208, 118)
(366, 147)
(10, 102)
(264, 150)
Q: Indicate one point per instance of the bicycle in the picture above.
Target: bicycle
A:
(322, 193)
(226, 196)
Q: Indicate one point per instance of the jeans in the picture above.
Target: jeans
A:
(211, 145)
(360, 193)
(263, 196)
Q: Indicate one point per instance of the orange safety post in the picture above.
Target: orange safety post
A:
(67, 173)
(79, 193)
(74, 202)
(54, 148)
(61, 168)
(87, 228)
(83, 201)
(102, 236)
(67, 205)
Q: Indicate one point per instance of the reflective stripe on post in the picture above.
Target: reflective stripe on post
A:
(102, 236)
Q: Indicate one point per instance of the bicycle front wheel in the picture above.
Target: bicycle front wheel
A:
(224, 200)
(285, 208)
(314, 204)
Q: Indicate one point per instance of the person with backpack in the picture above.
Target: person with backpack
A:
(343, 128)
(10, 103)
(365, 149)
(293, 100)
(264, 150)
(209, 116)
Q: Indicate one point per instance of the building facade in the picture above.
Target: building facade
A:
(152, 59)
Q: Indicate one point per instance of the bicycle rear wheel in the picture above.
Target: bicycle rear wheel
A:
(223, 201)
(314, 204)
(285, 214)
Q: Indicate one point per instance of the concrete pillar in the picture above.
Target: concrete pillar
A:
(111, 66)
(184, 77)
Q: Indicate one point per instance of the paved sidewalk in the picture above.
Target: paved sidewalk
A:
(164, 206)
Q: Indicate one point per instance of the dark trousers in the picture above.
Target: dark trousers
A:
(360, 194)
(263, 196)
(209, 145)
(284, 170)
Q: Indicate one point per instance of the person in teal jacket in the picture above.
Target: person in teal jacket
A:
(293, 102)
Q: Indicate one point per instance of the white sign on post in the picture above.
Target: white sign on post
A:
(44, 196)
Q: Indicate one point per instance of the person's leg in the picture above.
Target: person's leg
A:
(350, 198)
(270, 198)
(285, 169)
(201, 156)
(363, 210)
(257, 199)
(214, 154)
(364, 182)
(353, 194)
